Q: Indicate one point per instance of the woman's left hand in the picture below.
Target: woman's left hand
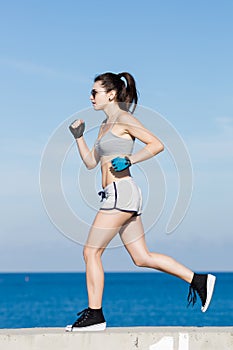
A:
(120, 164)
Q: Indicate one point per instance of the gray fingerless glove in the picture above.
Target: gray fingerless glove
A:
(78, 131)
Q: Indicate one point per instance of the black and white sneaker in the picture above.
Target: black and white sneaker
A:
(89, 320)
(203, 284)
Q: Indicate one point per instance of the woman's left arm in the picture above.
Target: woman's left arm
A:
(137, 130)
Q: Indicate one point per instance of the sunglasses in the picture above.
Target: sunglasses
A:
(94, 92)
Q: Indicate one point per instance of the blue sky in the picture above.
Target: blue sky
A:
(181, 55)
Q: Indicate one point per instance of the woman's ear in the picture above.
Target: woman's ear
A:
(111, 95)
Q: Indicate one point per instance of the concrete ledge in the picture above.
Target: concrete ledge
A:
(136, 338)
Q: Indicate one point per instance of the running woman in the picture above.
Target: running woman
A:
(116, 96)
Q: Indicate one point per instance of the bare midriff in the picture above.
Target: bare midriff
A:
(109, 175)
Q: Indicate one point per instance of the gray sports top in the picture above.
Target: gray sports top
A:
(111, 144)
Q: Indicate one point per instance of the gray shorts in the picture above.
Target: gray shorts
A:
(123, 195)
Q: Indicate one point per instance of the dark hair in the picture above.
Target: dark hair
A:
(126, 93)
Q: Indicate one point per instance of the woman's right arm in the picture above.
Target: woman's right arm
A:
(89, 158)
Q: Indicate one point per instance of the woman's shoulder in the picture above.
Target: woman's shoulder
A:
(126, 117)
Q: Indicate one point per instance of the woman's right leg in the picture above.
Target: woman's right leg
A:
(133, 238)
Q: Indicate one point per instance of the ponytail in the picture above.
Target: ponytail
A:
(128, 95)
(125, 87)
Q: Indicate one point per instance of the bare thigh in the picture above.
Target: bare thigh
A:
(133, 237)
(105, 226)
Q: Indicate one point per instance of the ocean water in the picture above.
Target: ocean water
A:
(130, 299)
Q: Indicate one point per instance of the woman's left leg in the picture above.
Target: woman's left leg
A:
(106, 225)
(133, 238)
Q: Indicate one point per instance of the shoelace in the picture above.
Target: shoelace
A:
(102, 194)
(83, 315)
(82, 312)
(192, 296)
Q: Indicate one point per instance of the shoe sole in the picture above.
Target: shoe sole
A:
(210, 289)
(93, 328)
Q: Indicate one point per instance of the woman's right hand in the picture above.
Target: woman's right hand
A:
(77, 128)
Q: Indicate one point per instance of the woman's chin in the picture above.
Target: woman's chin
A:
(96, 107)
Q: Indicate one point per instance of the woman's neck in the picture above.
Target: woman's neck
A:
(112, 113)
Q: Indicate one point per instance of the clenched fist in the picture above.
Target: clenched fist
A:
(77, 128)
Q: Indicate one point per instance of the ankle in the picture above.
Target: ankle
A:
(191, 277)
(95, 308)
(198, 279)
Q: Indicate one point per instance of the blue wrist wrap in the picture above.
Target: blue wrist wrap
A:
(120, 164)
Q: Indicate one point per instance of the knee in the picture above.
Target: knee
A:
(141, 261)
(91, 253)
